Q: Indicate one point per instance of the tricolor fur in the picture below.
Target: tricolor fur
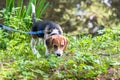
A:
(52, 36)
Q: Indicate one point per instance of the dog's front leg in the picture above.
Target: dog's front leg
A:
(47, 51)
(33, 44)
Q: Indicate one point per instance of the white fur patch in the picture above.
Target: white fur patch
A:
(46, 52)
(90, 25)
(33, 8)
(33, 44)
(55, 31)
(58, 52)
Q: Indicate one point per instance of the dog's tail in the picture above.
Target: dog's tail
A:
(33, 13)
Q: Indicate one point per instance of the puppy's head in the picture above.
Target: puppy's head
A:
(58, 43)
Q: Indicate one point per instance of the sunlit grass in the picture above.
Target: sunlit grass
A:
(84, 58)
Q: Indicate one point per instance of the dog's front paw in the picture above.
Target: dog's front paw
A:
(38, 55)
(46, 54)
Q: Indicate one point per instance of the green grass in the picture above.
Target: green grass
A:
(84, 58)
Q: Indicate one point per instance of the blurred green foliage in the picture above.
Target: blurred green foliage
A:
(19, 16)
(85, 57)
(72, 14)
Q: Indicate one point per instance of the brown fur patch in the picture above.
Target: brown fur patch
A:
(57, 41)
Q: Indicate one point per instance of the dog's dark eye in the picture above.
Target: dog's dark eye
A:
(55, 46)
(48, 32)
(62, 45)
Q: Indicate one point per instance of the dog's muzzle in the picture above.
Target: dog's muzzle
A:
(59, 52)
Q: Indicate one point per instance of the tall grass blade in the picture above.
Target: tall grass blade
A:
(40, 5)
(23, 14)
(29, 8)
(9, 5)
(28, 12)
(20, 5)
(44, 9)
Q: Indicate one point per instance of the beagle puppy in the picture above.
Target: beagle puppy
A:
(57, 43)
(52, 36)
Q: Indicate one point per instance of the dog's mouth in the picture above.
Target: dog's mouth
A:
(58, 53)
(53, 34)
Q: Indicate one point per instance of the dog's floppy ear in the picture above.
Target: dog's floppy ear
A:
(49, 42)
(65, 42)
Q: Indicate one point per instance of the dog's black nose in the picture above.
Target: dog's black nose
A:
(58, 54)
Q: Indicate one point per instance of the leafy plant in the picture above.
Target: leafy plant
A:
(26, 11)
(21, 14)
(84, 59)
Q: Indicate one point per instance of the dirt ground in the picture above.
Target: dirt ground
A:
(111, 74)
